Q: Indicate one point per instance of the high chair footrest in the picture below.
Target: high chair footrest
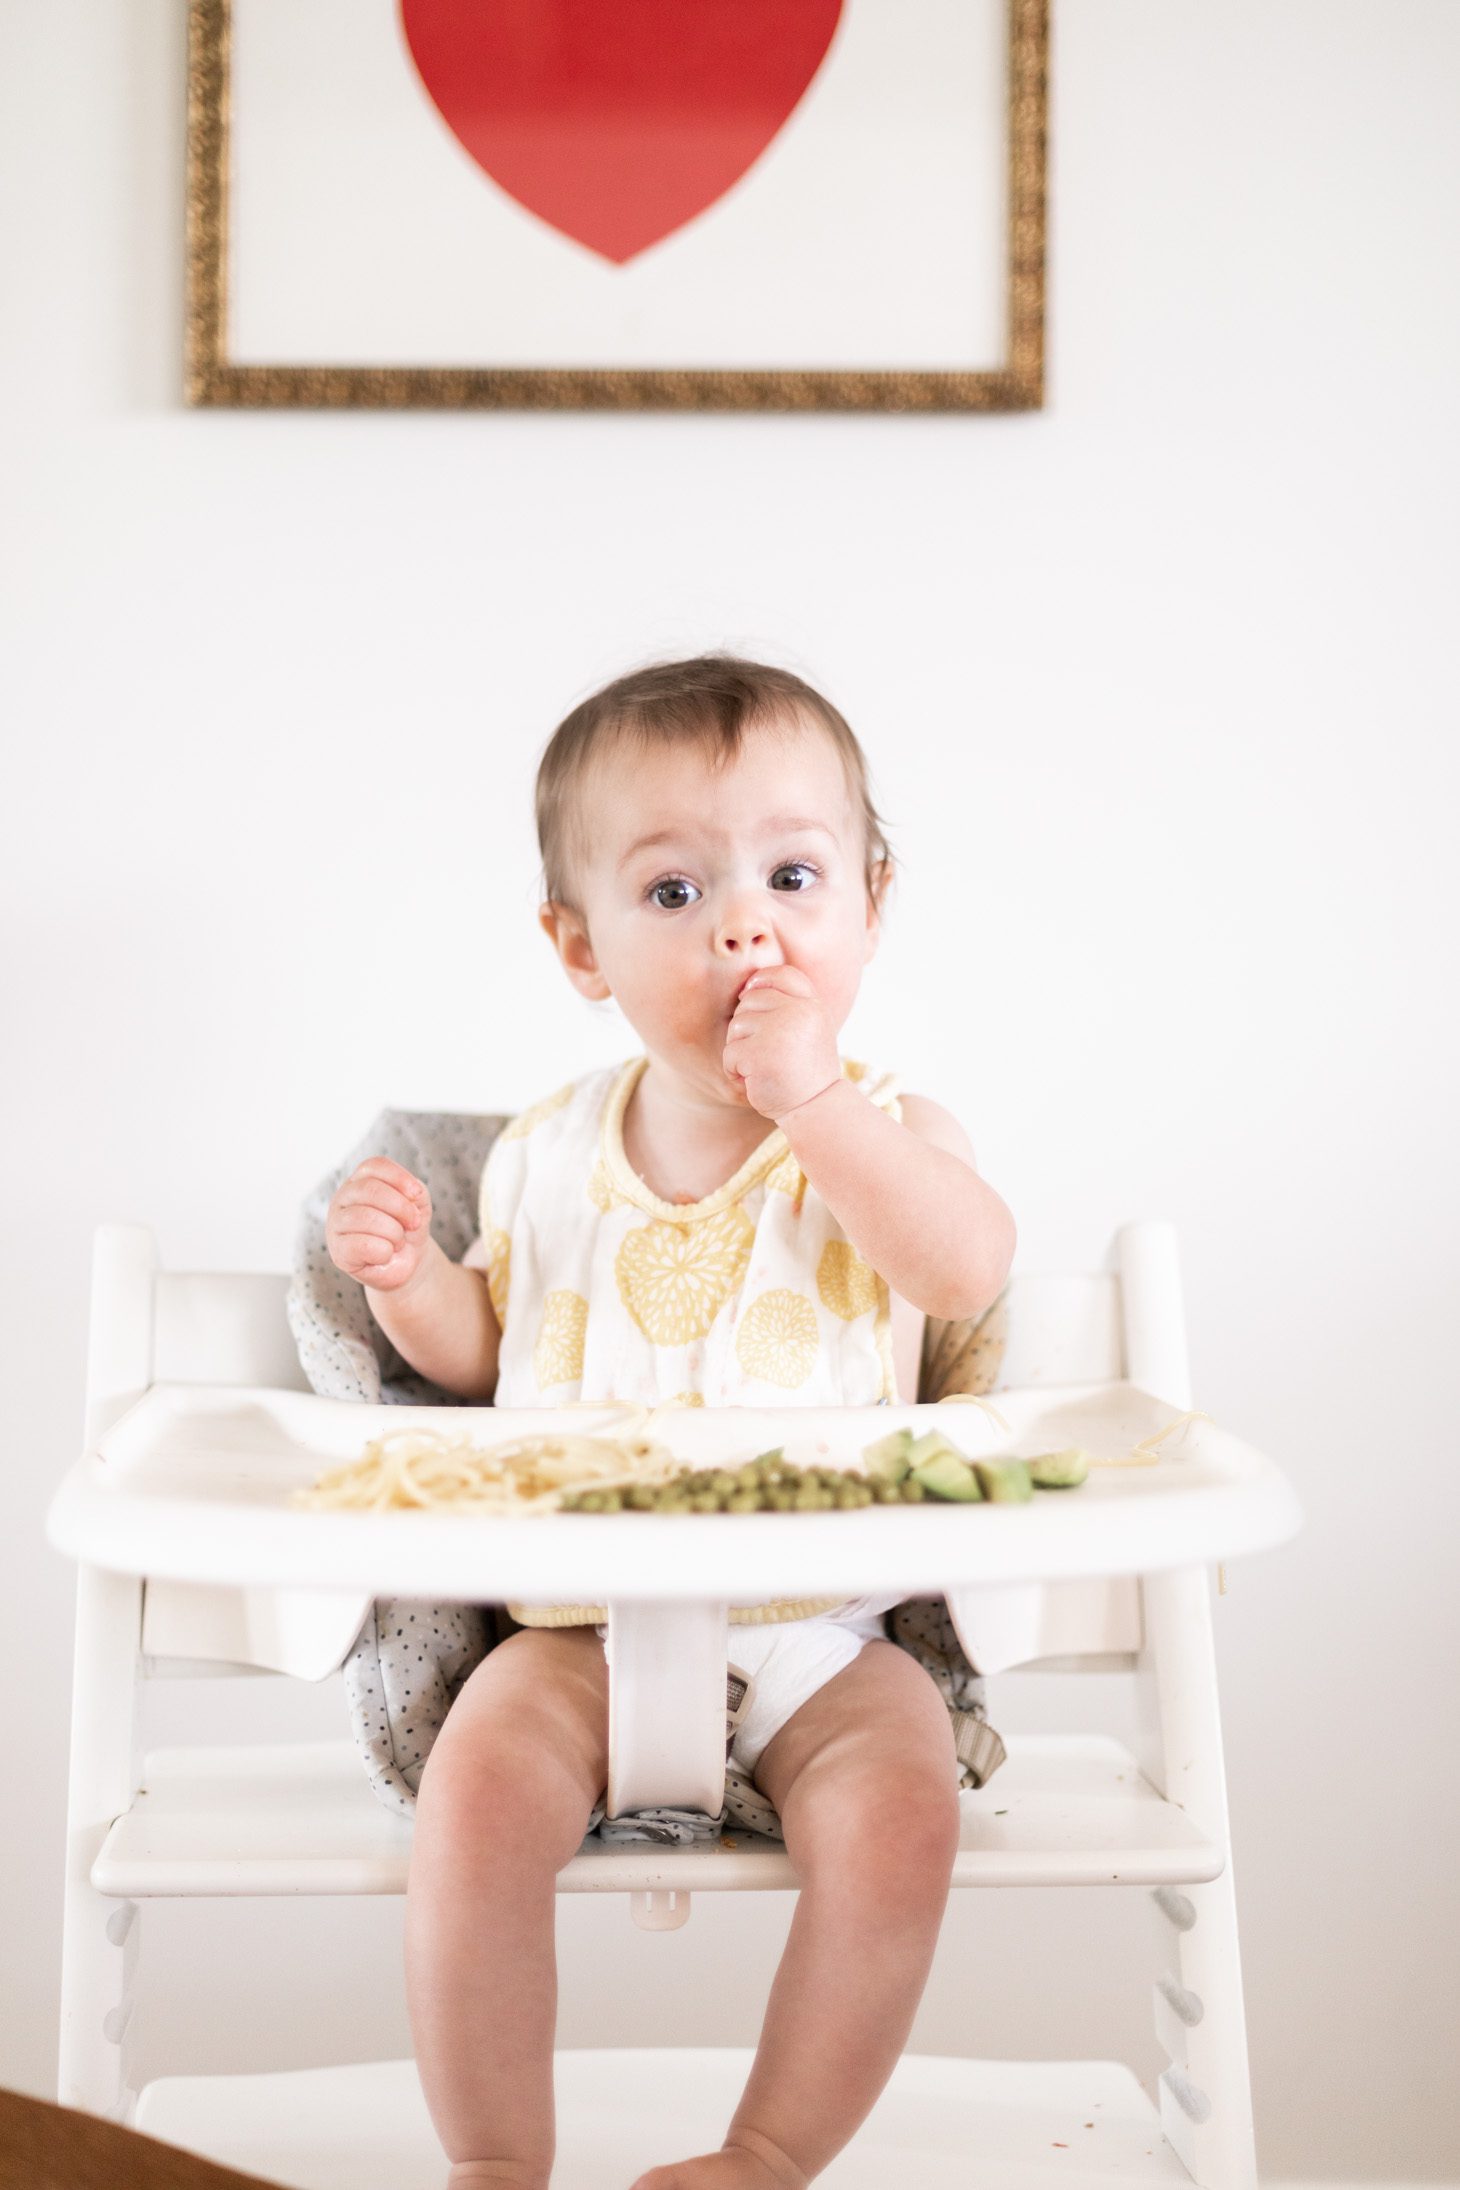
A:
(301, 1819)
(941, 2123)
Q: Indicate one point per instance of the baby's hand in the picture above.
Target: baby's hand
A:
(379, 1225)
(781, 1046)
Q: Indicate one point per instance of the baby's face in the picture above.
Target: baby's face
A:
(760, 863)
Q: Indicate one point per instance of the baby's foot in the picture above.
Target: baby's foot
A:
(737, 2167)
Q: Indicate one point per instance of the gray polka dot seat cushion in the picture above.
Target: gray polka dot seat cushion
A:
(410, 1660)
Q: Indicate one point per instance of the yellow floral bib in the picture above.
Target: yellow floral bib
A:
(751, 1297)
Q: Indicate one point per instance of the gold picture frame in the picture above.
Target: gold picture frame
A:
(213, 379)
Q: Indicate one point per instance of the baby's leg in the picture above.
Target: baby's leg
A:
(504, 1803)
(866, 1783)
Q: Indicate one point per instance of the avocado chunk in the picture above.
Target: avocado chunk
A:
(928, 1446)
(946, 1476)
(1004, 1482)
(1058, 1470)
(886, 1461)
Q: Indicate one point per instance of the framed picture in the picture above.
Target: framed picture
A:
(631, 204)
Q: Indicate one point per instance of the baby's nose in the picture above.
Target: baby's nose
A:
(746, 933)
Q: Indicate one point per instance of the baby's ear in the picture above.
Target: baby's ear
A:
(877, 902)
(566, 931)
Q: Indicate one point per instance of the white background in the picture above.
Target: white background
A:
(1158, 688)
(868, 234)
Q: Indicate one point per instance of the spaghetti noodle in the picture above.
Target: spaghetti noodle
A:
(423, 1468)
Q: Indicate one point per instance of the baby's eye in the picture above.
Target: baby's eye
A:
(669, 882)
(797, 866)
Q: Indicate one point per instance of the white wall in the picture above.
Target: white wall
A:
(1158, 688)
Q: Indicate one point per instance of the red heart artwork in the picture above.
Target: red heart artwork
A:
(617, 121)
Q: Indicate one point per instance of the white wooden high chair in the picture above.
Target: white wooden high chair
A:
(195, 1405)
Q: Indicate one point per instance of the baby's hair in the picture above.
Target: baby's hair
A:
(709, 701)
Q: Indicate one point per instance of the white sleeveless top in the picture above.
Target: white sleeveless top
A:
(750, 1297)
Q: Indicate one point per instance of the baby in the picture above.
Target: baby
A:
(738, 1217)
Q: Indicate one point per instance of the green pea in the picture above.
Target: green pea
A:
(741, 1501)
(782, 1500)
(887, 1494)
(912, 1492)
(807, 1499)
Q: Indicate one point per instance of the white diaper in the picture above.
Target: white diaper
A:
(788, 1660)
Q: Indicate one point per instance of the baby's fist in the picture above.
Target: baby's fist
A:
(379, 1225)
(781, 1045)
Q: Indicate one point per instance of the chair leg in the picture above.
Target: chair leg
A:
(1205, 2093)
(102, 1941)
(100, 1937)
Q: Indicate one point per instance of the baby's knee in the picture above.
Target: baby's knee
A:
(518, 1761)
(883, 1824)
(919, 1820)
(513, 1804)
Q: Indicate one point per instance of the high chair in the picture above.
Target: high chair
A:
(185, 1369)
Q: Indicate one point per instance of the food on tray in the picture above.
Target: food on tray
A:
(944, 1472)
(423, 1467)
(946, 1475)
(768, 1484)
(631, 1472)
(902, 1456)
(886, 1460)
(1004, 1482)
(1059, 1470)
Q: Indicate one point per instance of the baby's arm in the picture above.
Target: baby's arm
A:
(437, 1313)
(907, 1196)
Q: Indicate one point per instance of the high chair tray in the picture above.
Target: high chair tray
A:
(193, 1482)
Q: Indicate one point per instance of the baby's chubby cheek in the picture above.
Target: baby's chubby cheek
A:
(677, 1013)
